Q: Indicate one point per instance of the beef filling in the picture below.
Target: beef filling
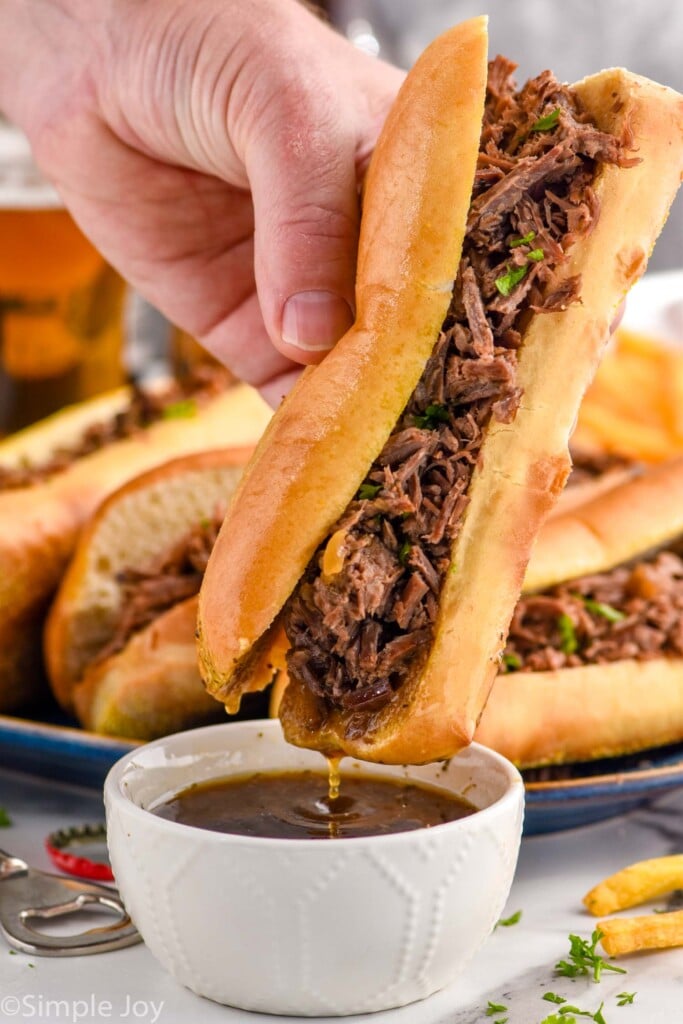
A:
(357, 634)
(633, 611)
(176, 576)
(178, 399)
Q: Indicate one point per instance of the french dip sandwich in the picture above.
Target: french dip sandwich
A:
(54, 474)
(120, 637)
(379, 538)
(593, 665)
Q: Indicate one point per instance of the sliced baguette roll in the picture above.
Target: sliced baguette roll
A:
(153, 683)
(601, 710)
(625, 521)
(584, 713)
(152, 687)
(323, 440)
(40, 523)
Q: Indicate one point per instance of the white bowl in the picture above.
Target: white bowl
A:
(309, 927)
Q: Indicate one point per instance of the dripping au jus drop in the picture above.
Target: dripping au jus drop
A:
(309, 804)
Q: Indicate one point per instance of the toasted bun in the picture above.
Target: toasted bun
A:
(602, 710)
(136, 525)
(578, 714)
(643, 513)
(39, 524)
(152, 687)
(319, 448)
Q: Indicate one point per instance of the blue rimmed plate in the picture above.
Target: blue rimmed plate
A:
(558, 799)
(585, 793)
(58, 751)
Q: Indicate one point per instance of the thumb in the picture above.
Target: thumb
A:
(301, 166)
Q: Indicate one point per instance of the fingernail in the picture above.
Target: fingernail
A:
(314, 321)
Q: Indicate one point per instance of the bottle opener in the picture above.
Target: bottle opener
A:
(28, 896)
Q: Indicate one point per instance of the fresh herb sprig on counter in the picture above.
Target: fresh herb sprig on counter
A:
(493, 1008)
(583, 959)
(508, 922)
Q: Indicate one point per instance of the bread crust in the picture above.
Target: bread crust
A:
(40, 524)
(583, 713)
(152, 687)
(81, 619)
(617, 525)
(521, 472)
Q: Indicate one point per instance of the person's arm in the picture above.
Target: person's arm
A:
(212, 150)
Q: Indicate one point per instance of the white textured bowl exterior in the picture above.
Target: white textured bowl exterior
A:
(300, 926)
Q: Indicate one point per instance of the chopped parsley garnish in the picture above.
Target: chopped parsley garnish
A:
(511, 663)
(625, 998)
(404, 552)
(536, 255)
(546, 123)
(583, 959)
(568, 639)
(507, 922)
(568, 1014)
(184, 409)
(552, 997)
(507, 281)
(526, 240)
(5, 820)
(432, 416)
(606, 611)
(494, 1008)
(368, 491)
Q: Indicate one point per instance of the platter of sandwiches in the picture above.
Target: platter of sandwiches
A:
(392, 563)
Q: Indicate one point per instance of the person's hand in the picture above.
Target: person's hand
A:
(212, 150)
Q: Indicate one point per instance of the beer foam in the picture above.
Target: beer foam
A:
(22, 186)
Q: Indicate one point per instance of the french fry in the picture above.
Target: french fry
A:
(634, 386)
(637, 343)
(638, 883)
(673, 389)
(622, 935)
(635, 405)
(619, 433)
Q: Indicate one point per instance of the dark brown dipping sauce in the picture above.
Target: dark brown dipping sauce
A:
(296, 805)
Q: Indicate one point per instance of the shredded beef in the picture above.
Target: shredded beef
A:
(176, 576)
(356, 635)
(633, 611)
(145, 407)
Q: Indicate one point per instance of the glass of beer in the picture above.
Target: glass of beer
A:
(61, 305)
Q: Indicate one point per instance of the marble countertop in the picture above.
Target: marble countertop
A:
(514, 968)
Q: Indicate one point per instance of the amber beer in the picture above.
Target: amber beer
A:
(61, 323)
